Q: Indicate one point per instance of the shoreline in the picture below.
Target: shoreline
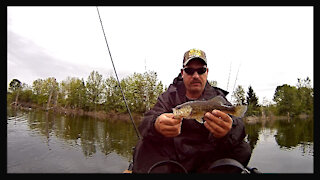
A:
(258, 119)
(80, 112)
(137, 117)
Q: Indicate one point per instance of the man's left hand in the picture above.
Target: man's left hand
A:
(218, 123)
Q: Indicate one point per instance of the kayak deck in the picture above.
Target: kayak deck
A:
(127, 171)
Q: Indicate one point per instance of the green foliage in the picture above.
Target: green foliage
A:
(15, 88)
(95, 87)
(141, 92)
(239, 95)
(73, 93)
(38, 90)
(113, 96)
(294, 100)
(290, 132)
(51, 90)
(26, 95)
(152, 89)
(9, 98)
(135, 92)
(294, 132)
(252, 102)
(15, 85)
(286, 98)
(305, 96)
(44, 91)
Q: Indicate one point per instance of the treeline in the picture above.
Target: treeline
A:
(94, 94)
(294, 99)
(142, 90)
(289, 100)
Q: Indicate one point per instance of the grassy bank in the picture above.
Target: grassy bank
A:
(257, 119)
(80, 112)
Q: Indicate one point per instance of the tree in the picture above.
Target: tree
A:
(50, 89)
(15, 87)
(95, 87)
(294, 100)
(26, 93)
(44, 91)
(63, 90)
(113, 97)
(142, 90)
(252, 102)
(304, 83)
(74, 92)
(286, 100)
(134, 87)
(239, 95)
(305, 95)
(37, 91)
(152, 88)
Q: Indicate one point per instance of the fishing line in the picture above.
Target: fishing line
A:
(235, 81)
(229, 76)
(124, 98)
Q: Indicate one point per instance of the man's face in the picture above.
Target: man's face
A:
(195, 82)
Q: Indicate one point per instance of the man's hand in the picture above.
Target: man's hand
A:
(167, 125)
(218, 123)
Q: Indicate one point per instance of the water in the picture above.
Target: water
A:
(44, 142)
(282, 146)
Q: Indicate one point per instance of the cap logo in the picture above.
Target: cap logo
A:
(194, 53)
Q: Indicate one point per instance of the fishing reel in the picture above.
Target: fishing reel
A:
(225, 165)
(234, 167)
(170, 166)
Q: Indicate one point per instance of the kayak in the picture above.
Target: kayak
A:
(220, 162)
(127, 171)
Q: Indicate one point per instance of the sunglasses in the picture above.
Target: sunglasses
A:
(190, 71)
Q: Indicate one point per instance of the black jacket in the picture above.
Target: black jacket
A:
(194, 137)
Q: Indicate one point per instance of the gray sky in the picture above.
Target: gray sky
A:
(269, 45)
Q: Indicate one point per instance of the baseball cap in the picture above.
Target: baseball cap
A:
(192, 54)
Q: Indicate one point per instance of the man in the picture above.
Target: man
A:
(172, 145)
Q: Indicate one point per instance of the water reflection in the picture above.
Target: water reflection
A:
(295, 132)
(103, 143)
(89, 133)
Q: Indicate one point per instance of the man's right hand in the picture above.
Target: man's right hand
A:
(166, 125)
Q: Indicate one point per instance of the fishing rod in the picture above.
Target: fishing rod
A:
(229, 76)
(234, 85)
(124, 98)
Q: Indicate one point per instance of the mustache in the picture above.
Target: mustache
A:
(195, 81)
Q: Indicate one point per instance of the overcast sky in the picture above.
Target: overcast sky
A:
(270, 46)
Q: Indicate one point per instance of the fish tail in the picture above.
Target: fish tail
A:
(240, 110)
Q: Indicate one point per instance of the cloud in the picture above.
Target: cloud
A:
(27, 62)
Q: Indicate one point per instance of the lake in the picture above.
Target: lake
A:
(46, 142)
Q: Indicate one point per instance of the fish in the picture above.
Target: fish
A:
(197, 109)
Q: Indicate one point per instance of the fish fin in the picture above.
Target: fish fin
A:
(240, 110)
(199, 119)
(218, 99)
